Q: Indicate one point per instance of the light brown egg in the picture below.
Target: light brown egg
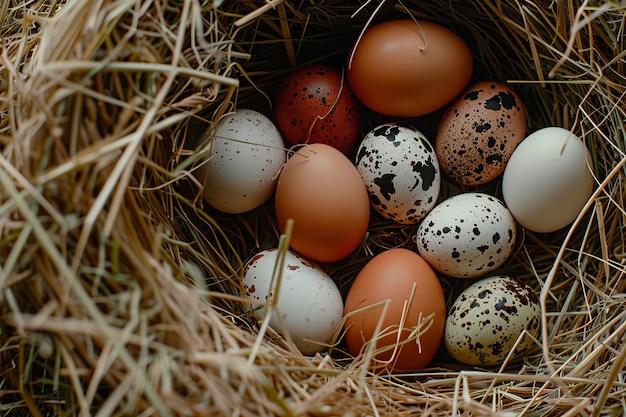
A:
(404, 280)
(322, 191)
(406, 68)
(478, 133)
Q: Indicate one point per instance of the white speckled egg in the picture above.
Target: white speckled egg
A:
(309, 305)
(547, 181)
(246, 152)
(487, 319)
(401, 172)
(467, 235)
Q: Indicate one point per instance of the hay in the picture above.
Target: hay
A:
(119, 288)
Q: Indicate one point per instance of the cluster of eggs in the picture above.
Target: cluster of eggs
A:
(325, 185)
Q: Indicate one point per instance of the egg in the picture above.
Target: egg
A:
(479, 131)
(306, 301)
(245, 154)
(314, 104)
(322, 191)
(407, 68)
(491, 320)
(548, 180)
(401, 172)
(399, 293)
(467, 235)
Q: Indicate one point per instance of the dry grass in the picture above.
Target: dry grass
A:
(119, 288)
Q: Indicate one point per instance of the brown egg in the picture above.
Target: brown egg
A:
(478, 133)
(321, 190)
(313, 104)
(405, 68)
(413, 291)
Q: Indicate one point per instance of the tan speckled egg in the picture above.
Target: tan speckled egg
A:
(478, 133)
(487, 319)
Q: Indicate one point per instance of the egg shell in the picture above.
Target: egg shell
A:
(314, 104)
(478, 133)
(467, 235)
(405, 68)
(547, 181)
(245, 154)
(321, 190)
(405, 281)
(487, 319)
(401, 173)
(309, 305)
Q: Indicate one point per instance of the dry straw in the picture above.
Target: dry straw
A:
(119, 289)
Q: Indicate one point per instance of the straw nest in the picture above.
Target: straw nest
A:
(120, 288)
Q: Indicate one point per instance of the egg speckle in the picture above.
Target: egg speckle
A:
(487, 319)
(479, 132)
(400, 170)
(467, 235)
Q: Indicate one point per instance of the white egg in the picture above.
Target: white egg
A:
(547, 181)
(467, 235)
(309, 305)
(246, 153)
(401, 172)
(487, 319)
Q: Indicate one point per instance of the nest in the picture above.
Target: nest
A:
(120, 289)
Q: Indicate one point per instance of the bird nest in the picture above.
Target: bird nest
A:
(121, 290)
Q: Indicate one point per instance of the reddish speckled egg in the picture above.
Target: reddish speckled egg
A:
(398, 294)
(479, 132)
(314, 104)
(405, 68)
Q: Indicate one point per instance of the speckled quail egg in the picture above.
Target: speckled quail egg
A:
(401, 172)
(488, 320)
(478, 133)
(467, 235)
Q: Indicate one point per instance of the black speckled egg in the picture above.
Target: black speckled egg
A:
(314, 104)
(478, 133)
(467, 235)
(400, 170)
(491, 320)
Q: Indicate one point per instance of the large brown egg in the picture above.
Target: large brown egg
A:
(479, 132)
(322, 191)
(412, 323)
(405, 68)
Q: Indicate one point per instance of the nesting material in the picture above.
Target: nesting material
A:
(121, 290)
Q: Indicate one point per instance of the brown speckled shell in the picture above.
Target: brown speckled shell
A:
(486, 320)
(479, 132)
(314, 104)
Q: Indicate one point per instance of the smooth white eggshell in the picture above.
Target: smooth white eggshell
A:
(401, 172)
(309, 305)
(246, 153)
(547, 181)
(467, 235)
(487, 319)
